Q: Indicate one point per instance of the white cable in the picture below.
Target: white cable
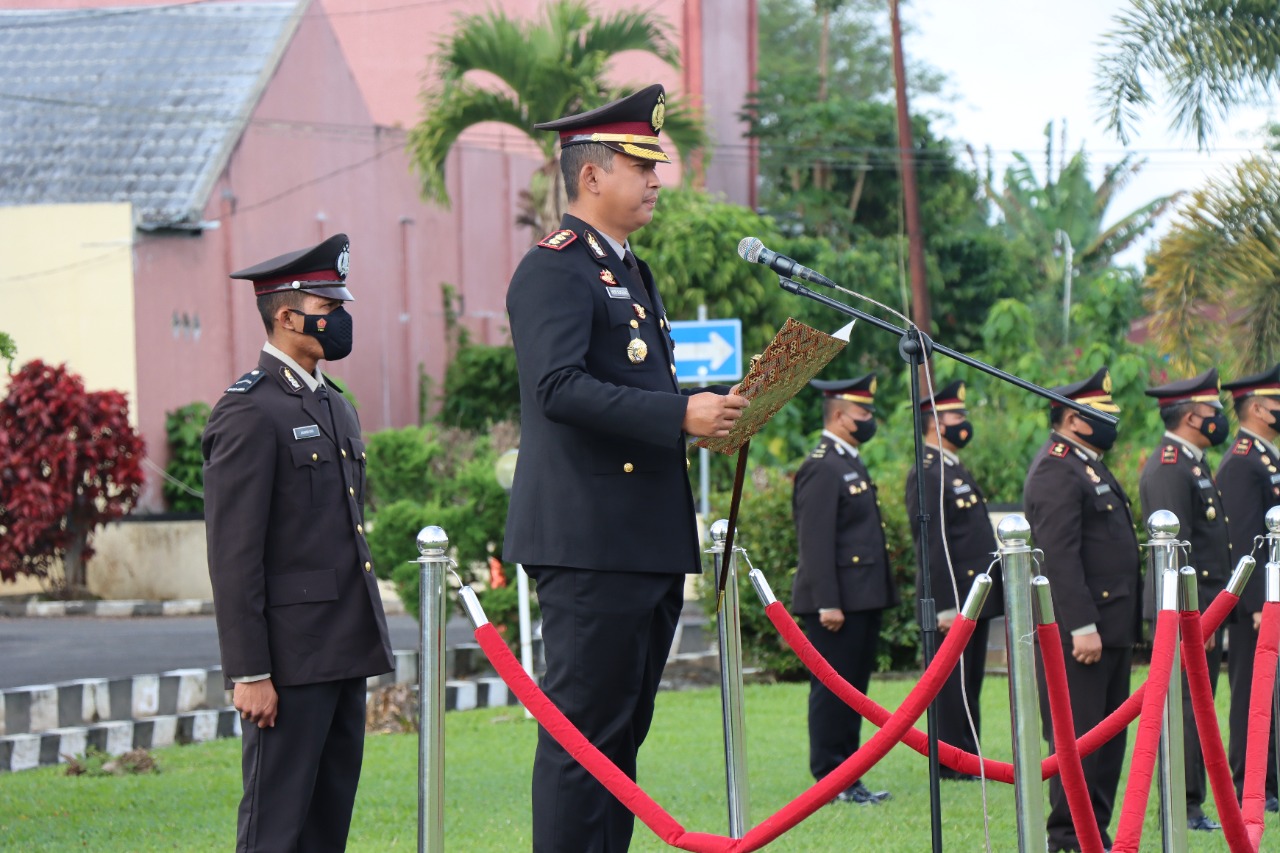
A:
(163, 473)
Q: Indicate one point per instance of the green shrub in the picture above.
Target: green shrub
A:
(184, 428)
(481, 387)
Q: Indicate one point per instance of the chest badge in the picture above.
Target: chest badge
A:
(1092, 474)
(607, 277)
(639, 309)
(637, 351)
(1211, 513)
(1195, 471)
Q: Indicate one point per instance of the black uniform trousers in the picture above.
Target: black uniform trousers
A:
(1244, 643)
(606, 636)
(953, 713)
(835, 729)
(300, 776)
(1096, 691)
(1193, 755)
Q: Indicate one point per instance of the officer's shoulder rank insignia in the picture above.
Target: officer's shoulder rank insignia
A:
(1169, 454)
(1242, 447)
(594, 245)
(558, 239)
(608, 277)
(246, 382)
(291, 379)
(1059, 450)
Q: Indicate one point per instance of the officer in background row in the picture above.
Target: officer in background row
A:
(1177, 477)
(1080, 518)
(959, 527)
(843, 581)
(1249, 479)
(300, 621)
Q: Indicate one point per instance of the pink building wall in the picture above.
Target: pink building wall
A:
(324, 152)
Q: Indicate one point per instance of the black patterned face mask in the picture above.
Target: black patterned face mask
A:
(958, 434)
(333, 330)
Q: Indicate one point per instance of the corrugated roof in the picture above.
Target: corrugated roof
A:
(138, 104)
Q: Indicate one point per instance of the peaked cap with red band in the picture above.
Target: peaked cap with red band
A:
(1197, 389)
(320, 269)
(1094, 392)
(1265, 384)
(861, 390)
(949, 398)
(628, 125)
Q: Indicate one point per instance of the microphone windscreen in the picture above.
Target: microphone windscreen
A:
(749, 249)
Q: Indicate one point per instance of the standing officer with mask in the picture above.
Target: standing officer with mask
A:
(601, 514)
(1249, 479)
(952, 495)
(300, 621)
(1178, 478)
(843, 581)
(1080, 518)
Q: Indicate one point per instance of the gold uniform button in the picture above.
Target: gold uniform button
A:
(368, 567)
(360, 529)
(971, 573)
(351, 491)
(635, 324)
(1106, 594)
(673, 370)
(882, 525)
(686, 464)
(362, 455)
(315, 456)
(1110, 507)
(344, 454)
(628, 467)
(855, 559)
(1204, 574)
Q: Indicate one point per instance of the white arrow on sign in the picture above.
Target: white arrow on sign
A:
(716, 351)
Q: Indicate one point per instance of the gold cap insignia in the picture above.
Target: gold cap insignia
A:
(960, 394)
(873, 385)
(1106, 382)
(659, 114)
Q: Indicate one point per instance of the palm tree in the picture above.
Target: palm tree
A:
(546, 68)
(1211, 56)
(1214, 285)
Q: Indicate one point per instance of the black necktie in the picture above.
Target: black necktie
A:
(322, 394)
(629, 261)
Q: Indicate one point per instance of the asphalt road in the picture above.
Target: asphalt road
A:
(50, 650)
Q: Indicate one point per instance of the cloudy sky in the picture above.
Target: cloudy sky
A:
(1015, 65)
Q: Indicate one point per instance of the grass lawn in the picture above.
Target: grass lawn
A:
(191, 804)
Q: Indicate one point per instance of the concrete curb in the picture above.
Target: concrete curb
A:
(131, 608)
(43, 724)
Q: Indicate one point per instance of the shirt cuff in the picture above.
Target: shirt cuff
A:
(1091, 628)
(249, 679)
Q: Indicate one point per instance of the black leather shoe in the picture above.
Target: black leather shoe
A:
(953, 776)
(1203, 824)
(1273, 803)
(862, 795)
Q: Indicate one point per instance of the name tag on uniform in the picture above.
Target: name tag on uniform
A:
(1103, 489)
(1275, 478)
(618, 292)
(312, 431)
(1205, 484)
(962, 489)
(852, 475)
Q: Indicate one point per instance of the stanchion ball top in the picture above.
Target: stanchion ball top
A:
(1014, 531)
(1273, 519)
(432, 539)
(720, 530)
(1163, 523)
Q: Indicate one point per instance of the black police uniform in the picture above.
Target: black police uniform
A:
(1249, 480)
(1177, 478)
(601, 513)
(1080, 518)
(952, 495)
(844, 564)
(293, 588)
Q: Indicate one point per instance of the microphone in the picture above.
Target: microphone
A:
(750, 249)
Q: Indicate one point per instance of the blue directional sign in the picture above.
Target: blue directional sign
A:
(708, 350)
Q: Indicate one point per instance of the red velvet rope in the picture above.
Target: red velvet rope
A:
(1064, 736)
(1255, 761)
(1206, 721)
(663, 824)
(1147, 744)
(952, 756)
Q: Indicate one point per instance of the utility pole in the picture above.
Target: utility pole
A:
(911, 202)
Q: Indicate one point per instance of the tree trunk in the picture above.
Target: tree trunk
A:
(74, 574)
(824, 64)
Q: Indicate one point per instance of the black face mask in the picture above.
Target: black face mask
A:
(958, 434)
(332, 330)
(863, 431)
(1103, 436)
(1274, 422)
(1214, 428)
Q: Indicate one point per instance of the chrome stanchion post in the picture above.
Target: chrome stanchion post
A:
(1024, 698)
(735, 745)
(433, 563)
(1162, 570)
